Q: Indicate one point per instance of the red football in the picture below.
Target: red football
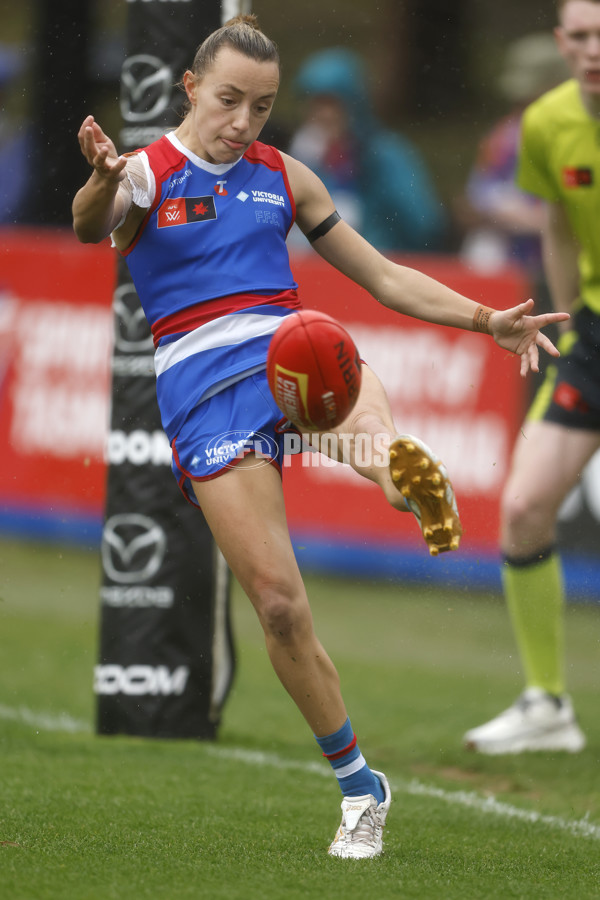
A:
(313, 370)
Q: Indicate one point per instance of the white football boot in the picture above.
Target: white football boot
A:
(536, 721)
(360, 835)
(423, 481)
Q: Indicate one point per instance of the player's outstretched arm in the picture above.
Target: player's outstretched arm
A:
(415, 294)
(409, 291)
(98, 206)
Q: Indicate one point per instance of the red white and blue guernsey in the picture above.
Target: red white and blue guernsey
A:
(211, 268)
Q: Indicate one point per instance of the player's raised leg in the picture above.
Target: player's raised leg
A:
(409, 473)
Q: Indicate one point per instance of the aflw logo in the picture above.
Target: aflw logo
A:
(186, 210)
(139, 681)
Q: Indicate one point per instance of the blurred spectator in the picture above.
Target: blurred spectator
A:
(502, 222)
(15, 143)
(376, 177)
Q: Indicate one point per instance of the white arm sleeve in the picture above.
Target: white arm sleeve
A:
(139, 186)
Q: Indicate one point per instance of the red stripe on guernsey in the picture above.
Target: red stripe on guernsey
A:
(333, 756)
(194, 316)
(272, 158)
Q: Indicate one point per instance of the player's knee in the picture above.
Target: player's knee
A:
(281, 613)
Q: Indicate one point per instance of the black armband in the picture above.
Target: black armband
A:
(325, 226)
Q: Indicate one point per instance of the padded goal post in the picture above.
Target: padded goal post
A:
(166, 656)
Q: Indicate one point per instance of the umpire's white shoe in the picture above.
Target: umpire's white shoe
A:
(423, 481)
(360, 835)
(536, 721)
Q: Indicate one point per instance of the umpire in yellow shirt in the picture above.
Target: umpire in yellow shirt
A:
(559, 162)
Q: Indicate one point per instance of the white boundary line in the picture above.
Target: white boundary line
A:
(42, 721)
(469, 799)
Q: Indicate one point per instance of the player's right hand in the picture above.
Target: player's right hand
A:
(100, 151)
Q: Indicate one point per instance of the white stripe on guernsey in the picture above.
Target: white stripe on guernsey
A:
(222, 332)
(351, 768)
(43, 721)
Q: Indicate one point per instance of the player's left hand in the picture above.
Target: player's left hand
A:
(515, 330)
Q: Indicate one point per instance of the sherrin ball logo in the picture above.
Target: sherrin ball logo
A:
(313, 369)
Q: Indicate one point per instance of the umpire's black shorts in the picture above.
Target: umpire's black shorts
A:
(570, 392)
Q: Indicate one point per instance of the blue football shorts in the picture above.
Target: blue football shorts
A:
(570, 392)
(242, 418)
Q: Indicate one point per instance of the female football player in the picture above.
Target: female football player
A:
(201, 216)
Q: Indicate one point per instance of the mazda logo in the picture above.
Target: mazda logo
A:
(132, 332)
(146, 85)
(133, 548)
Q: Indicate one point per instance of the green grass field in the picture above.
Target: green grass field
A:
(250, 816)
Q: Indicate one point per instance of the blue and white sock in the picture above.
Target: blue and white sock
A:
(349, 765)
